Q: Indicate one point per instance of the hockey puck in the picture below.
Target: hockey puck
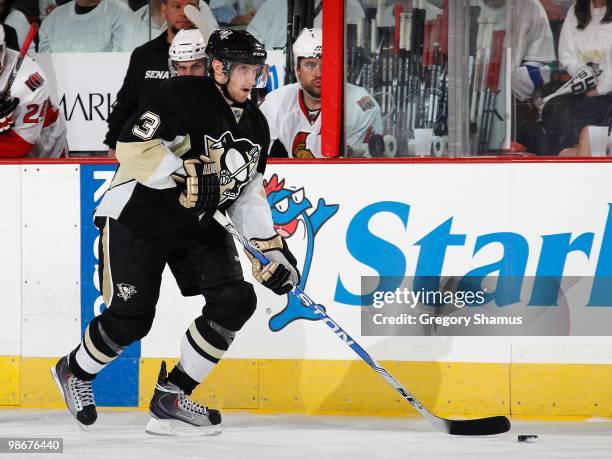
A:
(527, 438)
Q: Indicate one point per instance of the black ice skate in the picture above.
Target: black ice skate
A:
(175, 414)
(77, 394)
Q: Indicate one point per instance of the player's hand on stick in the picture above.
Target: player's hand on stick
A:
(7, 115)
(281, 274)
(201, 192)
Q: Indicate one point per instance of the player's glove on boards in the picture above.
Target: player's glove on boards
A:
(7, 117)
(281, 274)
(201, 192)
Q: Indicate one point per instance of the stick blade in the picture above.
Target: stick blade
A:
(197, 17)
(484, 426)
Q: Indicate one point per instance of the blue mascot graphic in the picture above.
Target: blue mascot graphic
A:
(289, 206)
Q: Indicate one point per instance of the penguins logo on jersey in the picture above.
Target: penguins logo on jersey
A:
(126, 291)
(236, 159)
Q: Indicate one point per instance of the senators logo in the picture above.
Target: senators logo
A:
(366, 103)
(34, 81)
(298, 149)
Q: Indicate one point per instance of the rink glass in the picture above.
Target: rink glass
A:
(455, 91)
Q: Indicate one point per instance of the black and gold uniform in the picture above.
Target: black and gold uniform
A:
(144, 225)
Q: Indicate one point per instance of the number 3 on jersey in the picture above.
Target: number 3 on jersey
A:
(148, 124)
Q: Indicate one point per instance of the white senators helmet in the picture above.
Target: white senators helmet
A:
(308, 44)
(187, 45)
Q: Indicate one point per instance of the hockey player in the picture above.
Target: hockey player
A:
(147, 69)
(30, 125)
(196, 145)
(533, 53)
(293, 111)
(532, 44)
(187, 54)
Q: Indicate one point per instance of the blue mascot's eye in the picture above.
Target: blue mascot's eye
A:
(298, 196)
(282, 205)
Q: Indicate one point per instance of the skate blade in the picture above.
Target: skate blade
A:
(59, 386)
(176, 428)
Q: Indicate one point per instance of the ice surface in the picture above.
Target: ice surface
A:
(250, 436)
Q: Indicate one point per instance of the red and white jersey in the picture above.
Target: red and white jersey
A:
(300, 131)
(291, 123)
(38, 129)
(52, 140)
(363, 117)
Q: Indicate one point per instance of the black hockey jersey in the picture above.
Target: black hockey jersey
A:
(187, 117)
(147, 69)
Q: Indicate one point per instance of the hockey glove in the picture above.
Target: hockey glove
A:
(7, 116)
(281, 274)
(201, 192)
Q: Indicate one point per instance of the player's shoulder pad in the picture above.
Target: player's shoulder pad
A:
(359, 96)
(30, 78)
(287, 92)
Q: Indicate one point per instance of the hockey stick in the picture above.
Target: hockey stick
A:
(408, 55)
(485, 34)
(6, 91)
(584, 80)
(402, 74)
(293, 14)
(195, 16)
(482, 80)
(483, 426)
(309, 13)
(359, 62)
(418, 47)
(492, 86)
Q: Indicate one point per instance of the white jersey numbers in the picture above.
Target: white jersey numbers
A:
(149, 124)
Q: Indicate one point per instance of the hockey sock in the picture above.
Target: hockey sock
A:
(203, 345)
(93, 354)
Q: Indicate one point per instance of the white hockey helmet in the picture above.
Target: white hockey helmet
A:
(187, 45)
(308, 44)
